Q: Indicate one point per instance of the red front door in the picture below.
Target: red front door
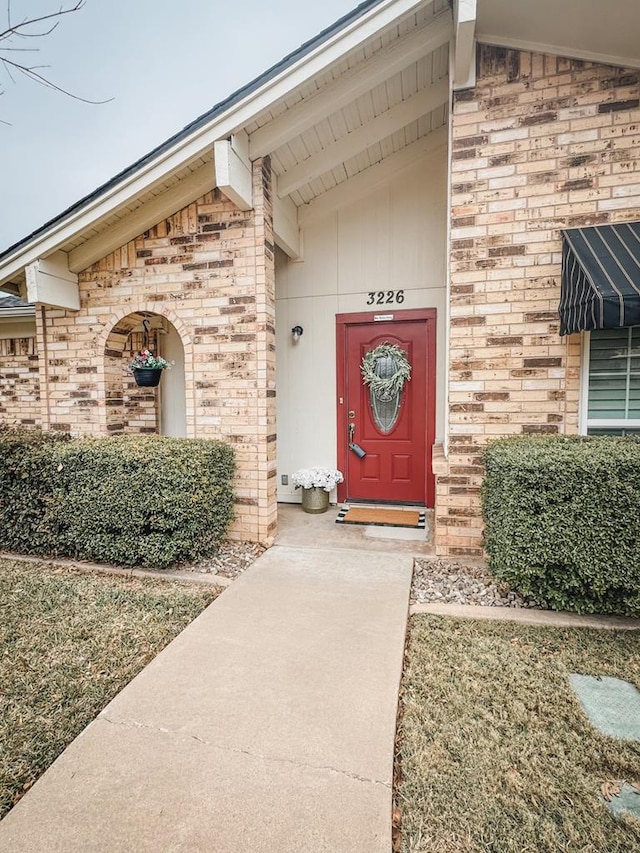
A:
(395, 436)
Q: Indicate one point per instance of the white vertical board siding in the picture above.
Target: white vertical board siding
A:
(306, 386)
(364, 245)
(391, 239)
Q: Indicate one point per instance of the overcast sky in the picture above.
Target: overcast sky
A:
(163, 64)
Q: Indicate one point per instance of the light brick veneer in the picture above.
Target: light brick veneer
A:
(19, 382)
(540, 144)
(208, 270)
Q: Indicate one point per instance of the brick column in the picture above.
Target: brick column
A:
(541, 144)
(265, 350)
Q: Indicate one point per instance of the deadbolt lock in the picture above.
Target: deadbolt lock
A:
(352, 414)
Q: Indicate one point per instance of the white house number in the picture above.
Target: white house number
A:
(385, 297)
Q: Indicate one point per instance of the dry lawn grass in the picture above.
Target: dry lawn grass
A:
(68, 643)
(496, 753)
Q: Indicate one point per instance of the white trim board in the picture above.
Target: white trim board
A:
(50, 282)
(584, 383)
(463, 72)
(27, 311)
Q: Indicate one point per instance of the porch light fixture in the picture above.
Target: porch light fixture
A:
(296, 333)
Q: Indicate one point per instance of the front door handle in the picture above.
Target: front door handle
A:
(360, 453)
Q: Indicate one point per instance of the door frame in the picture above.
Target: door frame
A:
(343, 321)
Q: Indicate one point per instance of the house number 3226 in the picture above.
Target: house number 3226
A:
(385, 297)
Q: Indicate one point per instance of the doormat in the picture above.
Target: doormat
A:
(382, 517)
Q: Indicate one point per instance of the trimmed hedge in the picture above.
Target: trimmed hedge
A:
(562, 520)
(131, 500)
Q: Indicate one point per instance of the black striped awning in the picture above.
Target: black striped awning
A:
(600, 278)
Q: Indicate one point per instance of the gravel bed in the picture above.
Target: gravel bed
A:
(454, 583)
(230, 561)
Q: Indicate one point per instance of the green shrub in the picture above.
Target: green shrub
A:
(132, 500)
(561, 520)
(26, 469)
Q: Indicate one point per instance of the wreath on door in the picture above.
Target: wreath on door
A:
(389, 386)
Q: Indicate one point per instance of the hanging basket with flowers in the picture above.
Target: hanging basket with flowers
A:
(147, 368)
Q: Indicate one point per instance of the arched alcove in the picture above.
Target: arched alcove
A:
(132, 409)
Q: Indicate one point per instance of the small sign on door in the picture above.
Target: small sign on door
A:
(379, 317)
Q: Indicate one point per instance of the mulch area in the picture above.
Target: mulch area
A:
(230, 561)
(449, 582)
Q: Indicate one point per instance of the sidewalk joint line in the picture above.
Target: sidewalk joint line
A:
(133, 724)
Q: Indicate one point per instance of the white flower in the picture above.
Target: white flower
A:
(322, 478)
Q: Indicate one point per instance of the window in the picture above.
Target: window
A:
(613, 400)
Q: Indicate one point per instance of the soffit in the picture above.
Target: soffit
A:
(335, 131)
(423, 69)
(356, 117)
(333, 127)
(600, 30)
(589, 29)
(164, 188)
(419, 19)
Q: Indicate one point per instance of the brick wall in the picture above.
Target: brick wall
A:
(19, 382)
(209, 271)
(540, 144)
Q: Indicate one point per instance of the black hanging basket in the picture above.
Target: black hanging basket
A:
(147, 377)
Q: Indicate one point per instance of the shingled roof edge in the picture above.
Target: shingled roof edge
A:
(214, 112)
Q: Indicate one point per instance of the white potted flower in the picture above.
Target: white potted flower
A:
(316, 484)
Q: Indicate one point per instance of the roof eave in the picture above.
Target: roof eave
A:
(188, 145)
(27, 311)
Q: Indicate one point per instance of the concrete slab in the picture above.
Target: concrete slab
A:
(397, 534)
(527, 616)
(125, 789)
(268, 725)
(611, 704)
(297, 528)
(204, 579)
(627, 802)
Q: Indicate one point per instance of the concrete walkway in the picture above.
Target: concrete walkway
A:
(266, 726)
